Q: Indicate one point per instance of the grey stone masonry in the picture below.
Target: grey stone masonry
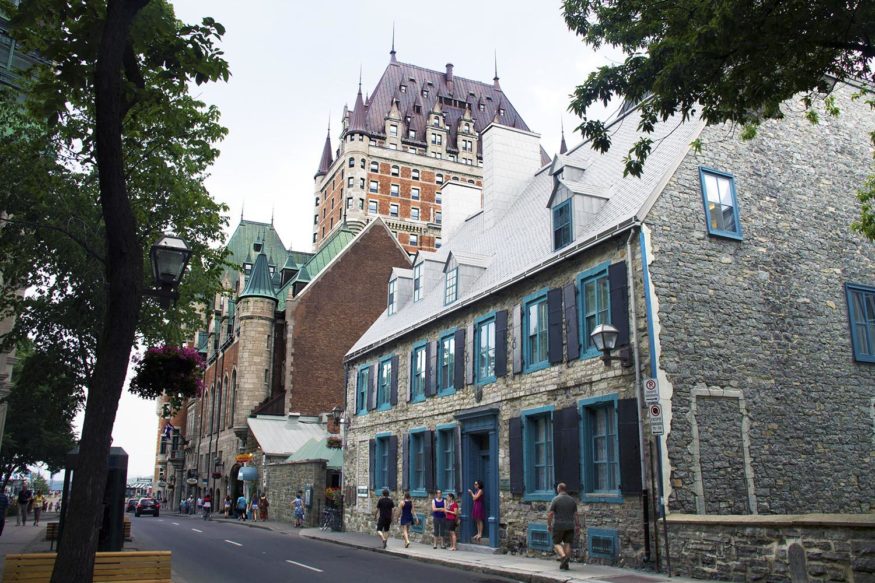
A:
(285, 479)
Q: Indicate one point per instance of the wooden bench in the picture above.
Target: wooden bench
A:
(52, 531)
(141, 566)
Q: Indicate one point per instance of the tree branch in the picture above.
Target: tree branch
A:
(85, 246)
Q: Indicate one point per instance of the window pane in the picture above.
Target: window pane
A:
(711, 188)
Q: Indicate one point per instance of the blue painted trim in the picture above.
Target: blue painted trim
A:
(381, 440)
(417, 492)
(418, 430)
(418, 528)
(595, 272)
(603, 497)
(539, 527)
(589, 401)
(859, 355)
(703, 170)
(451, 389)
(486, 319)
(387, 404)
(648, 305)
(383, 434)
(532, 298)
(441, 433)
(444, 426)
(417, 346)
(448, 301)
(364, 401)
(537, 410)
(590, 494)
(555, 209)
(530, 494)
(605, 532)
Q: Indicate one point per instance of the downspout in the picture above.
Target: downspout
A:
(636, 359)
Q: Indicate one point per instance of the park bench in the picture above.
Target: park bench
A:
(52, 530)
(135, 566)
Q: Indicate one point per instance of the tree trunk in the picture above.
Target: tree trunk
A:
(124, 272)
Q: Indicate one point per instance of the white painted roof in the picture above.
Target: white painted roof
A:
(284, 435)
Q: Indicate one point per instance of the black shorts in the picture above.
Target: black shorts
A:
(452, 524)
(563, 536)
(383, 525)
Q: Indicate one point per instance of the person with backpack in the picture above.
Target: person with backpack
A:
(241, 508)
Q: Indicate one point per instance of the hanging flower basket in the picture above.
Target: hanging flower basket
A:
(172, 371)
(334, 442)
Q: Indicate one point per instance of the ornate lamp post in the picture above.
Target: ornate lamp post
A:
(170, 256)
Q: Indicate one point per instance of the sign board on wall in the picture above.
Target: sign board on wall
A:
(656, 425)
(651, 391)
(362, 492)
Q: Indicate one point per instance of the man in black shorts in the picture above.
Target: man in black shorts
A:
(384, 516)
(563, 522)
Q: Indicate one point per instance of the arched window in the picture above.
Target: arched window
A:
(212, 409)
(225, 403)
(351, 163)
(395, 170)
(233, 395)
(414, 174)
(219, 408)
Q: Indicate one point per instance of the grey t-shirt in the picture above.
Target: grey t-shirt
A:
(563, 507)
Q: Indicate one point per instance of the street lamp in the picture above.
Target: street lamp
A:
(605, 339)
(169, 256)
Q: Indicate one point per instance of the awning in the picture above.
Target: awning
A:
(248, 474)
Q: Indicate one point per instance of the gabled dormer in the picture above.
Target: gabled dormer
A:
(428, 270)
(394, 126)
(461, 270)
(574, 201)
(400, 290)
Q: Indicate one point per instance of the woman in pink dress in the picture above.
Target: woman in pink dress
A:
(478, 513)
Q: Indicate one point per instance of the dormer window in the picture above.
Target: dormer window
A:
(247, 268)
(411, 134)
(451, 288)
(392, 307)
(562, 224)
(417, 282)
(403, 88)
(481, 107)
(425, 92)
(393, 130)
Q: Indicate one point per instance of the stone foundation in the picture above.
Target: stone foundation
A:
(284, 480)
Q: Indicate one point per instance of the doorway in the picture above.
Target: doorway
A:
(479, 433)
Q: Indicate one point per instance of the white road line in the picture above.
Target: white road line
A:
(305, 566)
(196, 530)
(176, 523)
(233, 543)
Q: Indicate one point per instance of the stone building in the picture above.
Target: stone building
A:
(731, 278)
(418, 130)
(274, 346)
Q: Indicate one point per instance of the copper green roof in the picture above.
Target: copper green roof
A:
(259, 284)
(240, 246)
(316, 263)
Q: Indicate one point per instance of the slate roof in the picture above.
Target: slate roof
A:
(520, 241)
(317, 262)
(370, 117)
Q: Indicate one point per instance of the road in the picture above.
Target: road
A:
(217, 552)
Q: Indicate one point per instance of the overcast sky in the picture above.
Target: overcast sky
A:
(291, 67)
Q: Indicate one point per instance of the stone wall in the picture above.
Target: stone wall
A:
(285, 479)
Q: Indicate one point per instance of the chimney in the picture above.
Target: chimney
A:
(511, 157)
(459, 201)
(449, 77)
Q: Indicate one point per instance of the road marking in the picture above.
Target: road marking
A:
(196, 530)
(305, 566)
(176, 523)
(233, 543)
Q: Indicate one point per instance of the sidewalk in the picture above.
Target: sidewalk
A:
(528, 570)
(24, 539)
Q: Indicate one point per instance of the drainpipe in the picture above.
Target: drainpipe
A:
(636, 357)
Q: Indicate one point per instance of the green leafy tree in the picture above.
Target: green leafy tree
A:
(110, 151)
(39, 484)
(728, 61)
(45, 396)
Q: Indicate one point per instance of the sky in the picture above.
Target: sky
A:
(294, 68)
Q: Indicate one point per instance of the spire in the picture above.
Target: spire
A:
(562, 147)
(357, 122)
(495, 79)
(392, 59)
(259, 284)
(325, 162)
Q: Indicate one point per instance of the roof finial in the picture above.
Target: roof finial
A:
(495, 79)
(360, 77)
(272, 208)
(562, 147)
(392, 58)
(242, 206)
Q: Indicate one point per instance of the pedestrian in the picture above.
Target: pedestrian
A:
(438, 510)
(478, 510)
(38, 502)
(200, 504)
(298, 506)
(25, 497)
(564, 523)
(407, 518)
(451, 517)
(208, 507)
(384, 516)
(262, 506)
(241, 507)
(253, 508)
(4, 504)
(226, 506)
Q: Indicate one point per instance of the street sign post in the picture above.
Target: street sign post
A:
(651, 391)
(656, 425)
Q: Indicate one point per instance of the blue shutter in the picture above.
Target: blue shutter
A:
(372, 459)
(459, 360)
(372, 388)
(393, 384)
(406, 442)
(572, 338)
(515, 443)
(566, 447)
(457, 445)
(630, 446)
(517, 339)
(619, 301)
(500, 344)
(428, 459)
(392, 474)
(554, 325)
(431, 369)
(469, 355)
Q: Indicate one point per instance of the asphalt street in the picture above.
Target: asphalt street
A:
(215, 552)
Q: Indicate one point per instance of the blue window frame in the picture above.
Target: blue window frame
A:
(484, 349)
(600, 449)
(446, 363)
(861, 312)
(595, 305)
(384, 381)
(417, 282)
(361, 389)
(392, 304)
(538, 453)
(562, 224)
(416, 462)
(445, 454)
(381, 463)
(535, 341)
(417, 373)
(538, 537)
(451, 286)
(721, 205)
(602, 543)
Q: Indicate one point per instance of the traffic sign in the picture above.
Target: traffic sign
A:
(656, 425)
(651, 391)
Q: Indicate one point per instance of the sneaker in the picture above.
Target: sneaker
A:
(563, 564)
(384, 543)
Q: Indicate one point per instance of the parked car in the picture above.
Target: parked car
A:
(147, 506)
(132, 505)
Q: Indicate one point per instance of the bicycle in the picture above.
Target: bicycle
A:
(328, 518)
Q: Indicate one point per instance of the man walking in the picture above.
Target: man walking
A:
(384, 516)
(4, 504)
(24, 498)
(563, 522)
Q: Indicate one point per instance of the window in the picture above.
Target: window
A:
(601, 465)
(361, 390)
(393, 189)
(315, 219)
(373, 186)
(361, 203)
(437, 139)
(446, 358)
(562, 224)
(349, 202)
(438, 217)
(351, 163)
(437, 243)
(417, 460)
(350, 182)
(384, 381)
(481, 107)
(595, 305)
(438, 178)
(445, 452)
(372, 207)
(393, 130)
(395, 170)
(414, 174)
(417, 282)
(861, 311)
(414, 240)
(393, 210)
(403, 88)
(393, 146)
(438, 196)
(450, 286)
(417, 373)
(535, 332)
(484, 349)
(361, 182)
(391, 301)
(375, 166)
(721, 207)
(414, 193)
(314, 237)
(414, 213)
(411, 134)
(381, 461)
(538, 453)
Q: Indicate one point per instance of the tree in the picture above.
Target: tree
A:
(39, 484)
(43, 401)
(112, 151)
(728, 61)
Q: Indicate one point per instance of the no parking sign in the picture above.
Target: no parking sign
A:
(656, 425)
